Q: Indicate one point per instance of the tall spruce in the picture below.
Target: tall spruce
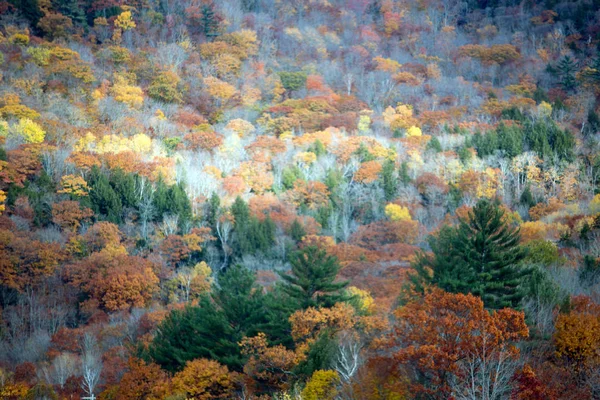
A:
(312, 281)
(481, 256)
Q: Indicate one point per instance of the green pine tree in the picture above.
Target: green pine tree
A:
(389, 180)
(200, 331)
(481, 256)
(297, 231)
(312, 281)
(566, 68)
(240, 299)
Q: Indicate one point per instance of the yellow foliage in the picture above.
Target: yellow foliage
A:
(321, 386)
(364, 122)
(40, 55)
(141, 143)
(21, 39)
(396, 212)
(306, 157)
(414, 131)
(241, 127)
(74, 185)
(594, 206)
(365, 300)
(545, 109)
(29, 131)
(2, 200)
(124, 92)
(124, 21)
(3, 128)
(219, 89)
(85, 143)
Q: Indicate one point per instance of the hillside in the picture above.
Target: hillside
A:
(300, 199)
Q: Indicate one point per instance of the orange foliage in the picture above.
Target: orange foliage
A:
(114, 279)
(368, 172)
(438, 335)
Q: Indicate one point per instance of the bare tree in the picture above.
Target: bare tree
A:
(62, 367)
(224, 227)
(348, 358)
(91, 364)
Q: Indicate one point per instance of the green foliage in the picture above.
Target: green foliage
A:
(363, 153)
(293, 81)
(389, 180)
(209, 22)
(251, 234)
(542, 252)
(290, 175)
(199, 331)
(481, 256)
(172, 200)
(526, 198)
(589, 271)
(312, 279)
(544, 137)
(434, 145)
(297, 231)
(321, 355)
(105, 202)
(566, 69)
(212, 212)
(240, 300)
(403, 173)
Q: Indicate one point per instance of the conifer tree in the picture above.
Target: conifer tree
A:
(481, 256)
(312, 279)
(389, 181)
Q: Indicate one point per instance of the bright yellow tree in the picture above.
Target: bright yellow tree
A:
(397, 213)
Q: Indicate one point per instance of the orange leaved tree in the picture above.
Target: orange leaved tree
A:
(449, 345)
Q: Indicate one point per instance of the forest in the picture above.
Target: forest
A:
(300, 199)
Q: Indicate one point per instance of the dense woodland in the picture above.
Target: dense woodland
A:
(300, 199)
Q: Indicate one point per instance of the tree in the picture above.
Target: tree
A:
(199, 331)
(481, 256)
(312, 279)
(240, 299)
(451, 347)
(293, 81)
(203, 379)
(566, 68)
(164, 88)
(142, 381)
(321, 386)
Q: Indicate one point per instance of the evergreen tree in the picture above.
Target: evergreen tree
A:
(200, 331)
(389, 181)
(481, 256)
(104, 200)
(312, 279)
(214, 204)
(297, 231)
(209, 21)
(240, 299)
(434, 144)
(527, 198)
(403, 173)
(124, 185)
(566, 68)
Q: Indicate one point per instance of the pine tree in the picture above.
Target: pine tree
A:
(566, 70)
(212, 213)
(527, 198)
(403, 173)
(389, 181)
(200, 331)
(104, 200)
(297, 231)
(312, 279)
(481, 256)
(209, 22)
(240, 299)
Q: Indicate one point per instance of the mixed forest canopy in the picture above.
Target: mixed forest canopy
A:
(300, 199)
